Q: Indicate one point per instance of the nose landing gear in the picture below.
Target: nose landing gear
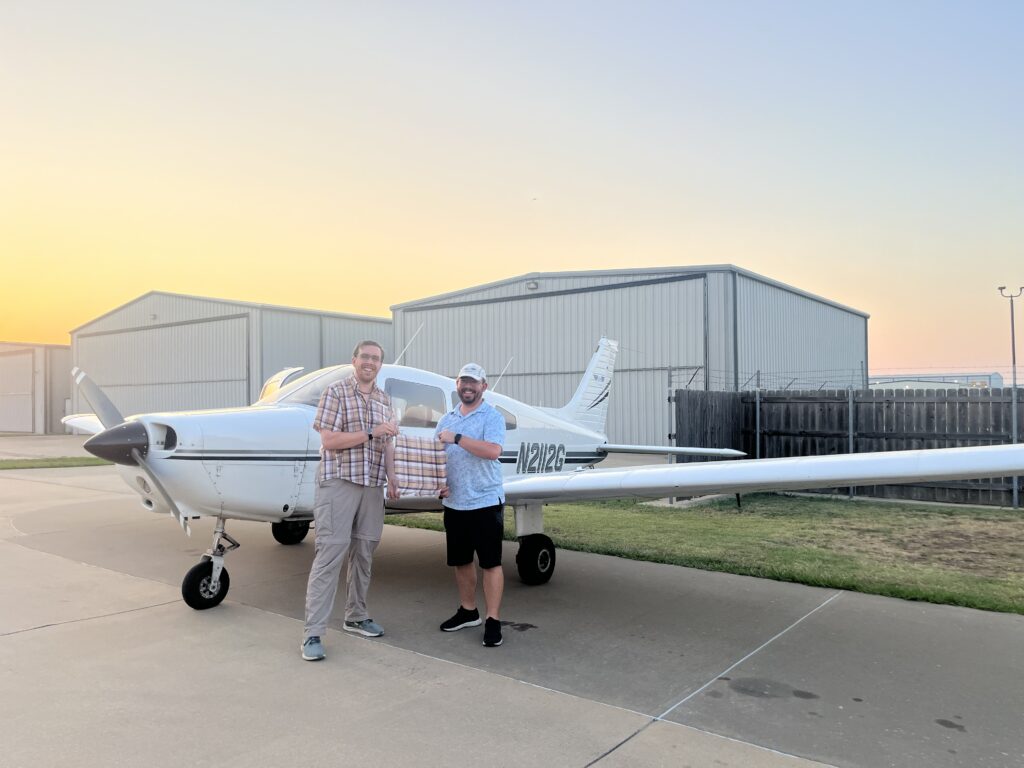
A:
(206, 584)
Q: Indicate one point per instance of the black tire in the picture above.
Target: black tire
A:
(290, 532)
(535, 559)
(195, 587)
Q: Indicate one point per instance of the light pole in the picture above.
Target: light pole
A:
(1013, 357)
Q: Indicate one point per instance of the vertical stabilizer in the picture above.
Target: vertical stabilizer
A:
(589, 406)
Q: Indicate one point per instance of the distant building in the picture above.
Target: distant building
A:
(35, 387)
(937, 381)
(170, 352)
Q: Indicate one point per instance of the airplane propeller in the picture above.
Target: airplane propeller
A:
(105, 410)
(122, 442)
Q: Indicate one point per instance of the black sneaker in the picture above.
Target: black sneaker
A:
(492, 632)
(461, 620)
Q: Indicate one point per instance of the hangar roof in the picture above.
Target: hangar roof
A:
(638, 275)
(249, 304)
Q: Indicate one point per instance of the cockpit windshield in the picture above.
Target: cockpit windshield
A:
(308, 389)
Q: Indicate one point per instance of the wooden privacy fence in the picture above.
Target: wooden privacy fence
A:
(772, 424)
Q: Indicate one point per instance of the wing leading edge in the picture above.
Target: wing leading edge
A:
(664, 450)
(788, 474)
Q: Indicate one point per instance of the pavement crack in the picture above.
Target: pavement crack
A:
(757, 650)
(629, 738)
(87, 618)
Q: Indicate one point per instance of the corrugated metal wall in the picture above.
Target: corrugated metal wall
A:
(196, 364)
(340, 335)
(169, 352)
(35, 380)
(17, 390)
(58, 388)
(711, 326)
(315, 341)
(160, 309)
(550, 340)
(289, 339)
(721, 332)
(548, 283)
(797, 342)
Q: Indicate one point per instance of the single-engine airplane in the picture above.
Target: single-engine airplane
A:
(260, 462)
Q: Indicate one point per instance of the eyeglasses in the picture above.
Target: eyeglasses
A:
(371, 358)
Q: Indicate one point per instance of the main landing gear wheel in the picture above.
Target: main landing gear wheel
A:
(290, 531)
(535, 559)
(198, 589)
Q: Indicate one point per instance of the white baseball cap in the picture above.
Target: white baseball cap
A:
(472, 371)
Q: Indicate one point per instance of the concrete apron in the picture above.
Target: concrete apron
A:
(625, 663)
(41, 446)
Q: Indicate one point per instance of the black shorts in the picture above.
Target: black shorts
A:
(480, 530)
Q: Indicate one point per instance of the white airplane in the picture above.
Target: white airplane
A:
(260, 462)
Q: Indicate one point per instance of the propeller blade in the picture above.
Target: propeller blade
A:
(105, 410)
(158, 486)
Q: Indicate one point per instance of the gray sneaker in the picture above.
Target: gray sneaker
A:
(313, 649)
(366, 628)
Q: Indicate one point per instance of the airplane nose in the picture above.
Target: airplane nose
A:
(116, 444)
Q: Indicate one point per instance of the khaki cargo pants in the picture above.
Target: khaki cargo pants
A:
(349, 521)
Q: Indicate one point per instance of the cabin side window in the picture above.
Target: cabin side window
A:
(418, 405)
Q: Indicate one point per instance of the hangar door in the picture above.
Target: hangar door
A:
(178, 366)
(16, 406)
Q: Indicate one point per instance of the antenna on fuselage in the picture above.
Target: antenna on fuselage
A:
(495, 387)
(409, 344)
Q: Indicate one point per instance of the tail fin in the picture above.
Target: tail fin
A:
(589, 406)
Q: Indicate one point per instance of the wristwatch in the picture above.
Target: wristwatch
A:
(457, 438)
(369, 434)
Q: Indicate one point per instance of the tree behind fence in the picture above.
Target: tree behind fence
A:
(818, 423)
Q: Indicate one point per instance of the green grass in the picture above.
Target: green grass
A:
(64, 461)
(952, 555)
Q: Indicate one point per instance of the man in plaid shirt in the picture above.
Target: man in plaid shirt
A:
(356, 426)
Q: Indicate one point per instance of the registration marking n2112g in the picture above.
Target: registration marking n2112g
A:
(536, 458)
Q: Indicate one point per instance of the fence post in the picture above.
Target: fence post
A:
(757, 422)
(849, 420)
(1013, 411)
(674, 419)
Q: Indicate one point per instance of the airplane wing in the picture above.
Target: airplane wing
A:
(664, 450)
(84, 422)
(799, 473)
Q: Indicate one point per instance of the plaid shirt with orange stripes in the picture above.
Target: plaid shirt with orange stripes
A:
(344, 409)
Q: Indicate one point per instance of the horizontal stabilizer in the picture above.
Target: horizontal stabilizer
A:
(788, 474)
(664, 450)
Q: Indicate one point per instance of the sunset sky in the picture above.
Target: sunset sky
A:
(351, 156)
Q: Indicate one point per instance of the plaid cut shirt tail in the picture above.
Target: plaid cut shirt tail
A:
(420, 466)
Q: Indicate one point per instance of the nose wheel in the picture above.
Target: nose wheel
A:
(198, 588)
(206, 583)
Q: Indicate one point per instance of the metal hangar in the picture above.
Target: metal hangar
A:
(714, 327)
